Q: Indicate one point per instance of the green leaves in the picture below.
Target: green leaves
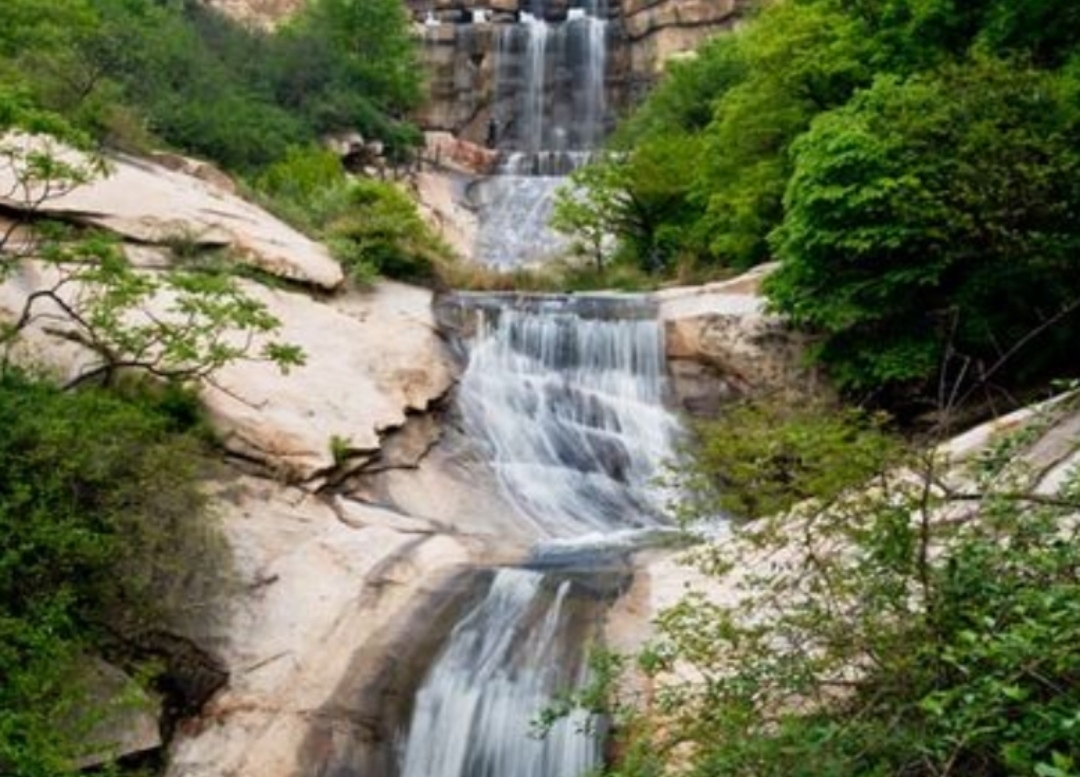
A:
(131, 71)
(382, 232)
(104, 534)
(888, 631)
(926, 218)
(760, 458)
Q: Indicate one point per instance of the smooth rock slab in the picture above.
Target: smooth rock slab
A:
(316, 591)
(146, 202)
(370, 359)
(723, 344)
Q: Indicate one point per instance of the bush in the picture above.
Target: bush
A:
(929, 626)
(931, 220)
(762, 457)
(104, 534)
(384, 232)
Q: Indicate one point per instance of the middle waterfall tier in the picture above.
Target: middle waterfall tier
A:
(569, 403)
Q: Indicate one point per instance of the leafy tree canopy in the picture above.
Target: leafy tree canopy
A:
(910, 162)
(934, 218)
(132, 70)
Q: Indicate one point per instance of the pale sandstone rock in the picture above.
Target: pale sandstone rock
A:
(370, 359)
(196, 168)
(441, 197)
(317, 591)
(148, 203)
(644, 18)
(124, 718)
(721, 344)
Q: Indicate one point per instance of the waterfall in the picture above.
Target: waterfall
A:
(532, 113)
(501, 666)
(570, 408)
(515, 211)
(565, 394)
(551, 113)
(594, 90)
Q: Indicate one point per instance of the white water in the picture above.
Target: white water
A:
(532, 118)
(551, 81)
(501, 666)
(514, 214)
(571, 411)
(566, 395)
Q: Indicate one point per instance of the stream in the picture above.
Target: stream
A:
(564, 396)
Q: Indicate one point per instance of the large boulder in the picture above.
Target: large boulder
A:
(1046, 453)
(321, 583)
(722, 344)
(182, 205)
(371, 360)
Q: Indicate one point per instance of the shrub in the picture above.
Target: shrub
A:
(929, 626)
(104, 534)
(383, 231)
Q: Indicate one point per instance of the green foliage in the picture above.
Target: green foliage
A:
(800, 59)
(925, 146)
(180, 324)
(934, 217)
(383, 233)
(104, 532)
(928, 626)
(762, 457)
(639, 196)
(132, 70)
(372, 227)
(340, 449)
(352, 64)
(588, 205)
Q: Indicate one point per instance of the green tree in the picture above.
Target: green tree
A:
(930, 229)
(105, 536)
(926, 626)
(352, 64)
(800, 59)
(179, 324)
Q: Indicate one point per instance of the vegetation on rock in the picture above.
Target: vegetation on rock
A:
(128, 71)
(922, 624)
(105, 536)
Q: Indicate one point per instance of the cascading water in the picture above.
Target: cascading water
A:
(570, 407)
(552, 76)
(565, 394)
(502, 665)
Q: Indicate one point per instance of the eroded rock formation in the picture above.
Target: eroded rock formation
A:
(329, 579)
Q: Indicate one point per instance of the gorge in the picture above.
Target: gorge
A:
(279, 499)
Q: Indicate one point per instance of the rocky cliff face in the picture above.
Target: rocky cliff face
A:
(477, 53)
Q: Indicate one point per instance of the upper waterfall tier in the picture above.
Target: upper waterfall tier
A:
(550, 84)
(479, 56)
(567, 396)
